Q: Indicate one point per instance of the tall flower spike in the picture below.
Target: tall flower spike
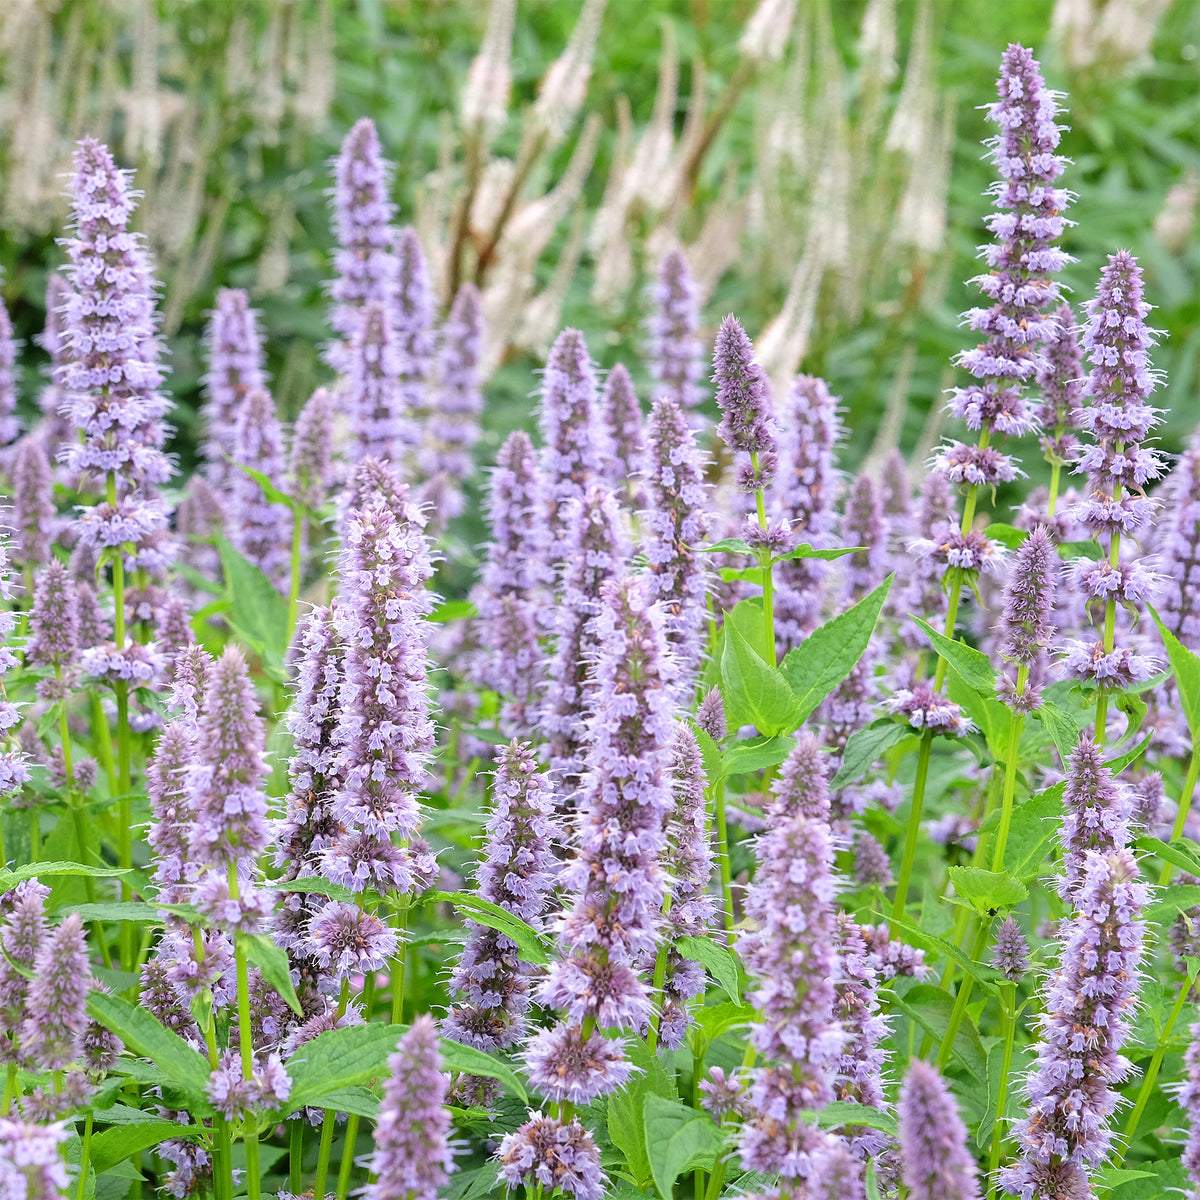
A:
(802, 786)
(260, 529)
(57, 1005)
(937, 1165)
(310, 459)
(675, 354)
(379, 422)
(53, 429)
(674, 528)
(792, 958)
(31, 1159)
(412, 312)
(33, 502)
(863, 525)
(1010, 954)
(385, 733)
(22, 934)
(9, 427)
(1179, 553)
(53, 623)
(744, 396)
(236, 367)
(1070, 1092)
(412, 1157)
(551, 1153)
(626, 437)
(1097, 810)
(596, 550)
(574, 449)
(14, 771)
(170, 809)
(804, 492)
(517, 873)
(1188, 1098)
(1026, 626)
(372, 481)
(1059, 381)
(1019, 282)
(364, 267)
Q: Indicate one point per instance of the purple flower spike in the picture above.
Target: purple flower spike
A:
(260, 529)
(1071, 1091)
(923, 708)
(1010, 954)
(1179, 553)
(364, 267)
(9, 427)
(937, 1165)
(31, 1160)
(551, 1153)
(412, 311)
(1188, 1098)
(574, 452)
(802, 786)
(626, 436)
(413, 1157)
(169, 831)
(1060, 381)
(518, 873)
(675, 354)
(53, 618)
(744, 396)
(710, 716)
(14, 770)
(1026, 627)
(1097, 810)
(33, 502)
(56, 1015)
(236, 367)
(674, 528)
(379, 421)
(310, 460)
(862, 525)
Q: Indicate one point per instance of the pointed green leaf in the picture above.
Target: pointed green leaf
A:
(720, 962)
(1187, 676)
(678, 1139)
(753, 754)
(1117, 765)
(728, 545)
(1174, 899)
(931, 1008)
(831, 652)
(974, 667)
(112, 1145)
(1177, 856)
(484, 912)
(988, 892)
(470, 1061)
(258, 612)
(755, 692)
(1062, 729)
(844, 1112)
(338, 1059)
(272, 962)
(270, 491)
(864, 747)
(10, 879)
(804, 550)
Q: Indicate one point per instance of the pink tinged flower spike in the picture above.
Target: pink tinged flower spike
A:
(575, 450)
(200, 520)
(56, 1014)
(310, 458)
(1187, 1096)
(792, 958)
(549, 1153)
(364, 266)
(1097, 811)
(14, 771)
(31, 1161)
(802, 785)
(260, 529)
(1026, 624)
(863, 525)
(1179, 553)
(9, 426)
(1010, 953)
(372, 481)
(384, 735)
(412, 1157)
(675, 353)
(34, 514)
(616, 878)
(53, 619)
(744, 396)
(675, 526)
(710, 716)
(1070, 1092)
(236, 367)
(22, 933)
(518, 873)
(1059, 380)
(169, 831)
(596, 551)
(380, 422)
(626, 435)
(189, 681)
(937, 1164)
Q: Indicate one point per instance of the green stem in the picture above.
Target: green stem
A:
(102, 741)
(1010, 776)
(323, 1154)
(914, 824)
(1110, 630)
(222, 1150)
(723, 859)
(961, 999)
(1185, 805)
(296, 1154)
(660, 975)
(12, 1088)
(400, 963)
(296, 571)
(343, 1182)
(1008, 1004)
(716, 1180)
(250, 1130)
(764, 561)
(35, 834)
(85, 1156)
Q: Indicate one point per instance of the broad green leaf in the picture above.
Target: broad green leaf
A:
(453, 610)
(974, 667)
(470, 1061)
(1177, 898)
(1117, 765)
(720, 962)
(865, 746)
(259, 612)
(272, 961)
(715, 1019)
(678, 1139)
(1176, 855)
(144, 1035)
(931, 1007)
(993, 718)
(710, 752)
(926, 940)
(727, 545)
(626, 1129)
(832, 651)
(316, 884)
(1009, 536)
(338, 1059)
(355, 1101)
(1133, 706)
(755, 692)
(484, 912)
(744, 758)
(747, 617)
(1069, 550)
(1187, 676)
(136, 912)
(10, 879)
(1034, 825)
(804, 550)
(844, 1112)
(988, 892)
(112, 1145)
(1062, 729)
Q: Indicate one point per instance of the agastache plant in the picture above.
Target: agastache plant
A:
(674, 352)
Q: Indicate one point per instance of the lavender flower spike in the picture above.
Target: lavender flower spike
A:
(310, 457)
(1010, 954)
(675, 353)
(14, 771)
(1026, 625)
(31, 1162)
(33, 502)
(53, 619)
(1059, 381)
(57, 1005)
(412, 1158)
(379, 422)
(627, 439)
(9, 428)
(551, 1153)
(1097, 810)
(744, 396)
(1179, 553)
(933, 1139)
(1071, 1091)
(1188, 1098)
(259, 528)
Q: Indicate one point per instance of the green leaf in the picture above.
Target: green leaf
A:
(1009, 536)
(10, 879)
(755, 693)
(1187, 676)
(338, 1059)
(144, 1035)
(626, 1129)
(710, 752)
(864, 747)
(832, 651)
(974, 667)
(753, 754)
(136, 912)
(720, 962)
(930, 941)
(728, 545)
(272, 493)
(318, 885)
(804, 550)
(1069, 550)
(453, 610)
(258, 613)
(484, 912)
(356, 1101)
(844, 1112)
(272, 961)
(1062, 729)
(1174, 899)
(470, 1061)
(1117, 765)
(113, 1145)
(988, 892)
(715, 1019)
(678, 1139)
(1172, 853)
(1033, 828)
(931, 1007)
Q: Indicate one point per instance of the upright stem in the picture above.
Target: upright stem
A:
(764, 561)
(400, 962)
(250, 1132)
(660, 976)
(723, 860)
(1008, 1006)
(85, 1156)
(961, 999)
(296, 1154)
(348, 1147)
(1185, 805)
(914, 824)
(327, 1125)
(1010, 776)
(1055, 473)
